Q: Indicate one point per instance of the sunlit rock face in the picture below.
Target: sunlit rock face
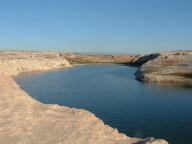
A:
(13, 63)
(171, 67)
(97, 58)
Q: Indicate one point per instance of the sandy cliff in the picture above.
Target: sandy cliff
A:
(24, 120)
(97, 58)
(13, 63)
(170, 67)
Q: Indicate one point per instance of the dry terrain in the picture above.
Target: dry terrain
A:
(171, 67)
(97, 58)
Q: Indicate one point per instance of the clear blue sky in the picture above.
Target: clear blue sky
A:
(130, 26)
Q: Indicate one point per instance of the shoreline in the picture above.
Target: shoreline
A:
(173, 68)
(30, 121)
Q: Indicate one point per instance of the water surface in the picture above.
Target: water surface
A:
(112, 94)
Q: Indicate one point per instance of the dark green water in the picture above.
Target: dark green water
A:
(112, 94)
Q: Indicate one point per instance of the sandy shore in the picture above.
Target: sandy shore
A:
(24, 120)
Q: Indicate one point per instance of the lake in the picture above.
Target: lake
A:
(112, 94)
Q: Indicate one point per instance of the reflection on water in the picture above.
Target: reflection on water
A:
(112, 94)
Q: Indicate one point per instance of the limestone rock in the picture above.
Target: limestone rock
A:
(171, 67)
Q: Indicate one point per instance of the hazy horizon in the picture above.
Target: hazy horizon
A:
(87, 26)
(87, 52)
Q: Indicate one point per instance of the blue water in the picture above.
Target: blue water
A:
(112, 94)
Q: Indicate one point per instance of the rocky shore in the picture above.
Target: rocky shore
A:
(24, 120)
(98, 58)
(170, 68)
(13, 63)
(167, 68)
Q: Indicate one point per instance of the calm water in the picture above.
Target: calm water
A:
(112, 94)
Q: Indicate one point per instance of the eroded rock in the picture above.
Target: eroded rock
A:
(172, 67)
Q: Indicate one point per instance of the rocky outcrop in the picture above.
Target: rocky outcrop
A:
(13, 63)
(171, 67)
(141, 59)
(97, 58)
(24, 120)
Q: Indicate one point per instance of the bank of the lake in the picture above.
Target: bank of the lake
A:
(26, 120)
(112, 93)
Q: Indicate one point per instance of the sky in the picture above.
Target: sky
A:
(96, 26)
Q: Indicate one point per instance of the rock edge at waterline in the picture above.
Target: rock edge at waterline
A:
(171, 68)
